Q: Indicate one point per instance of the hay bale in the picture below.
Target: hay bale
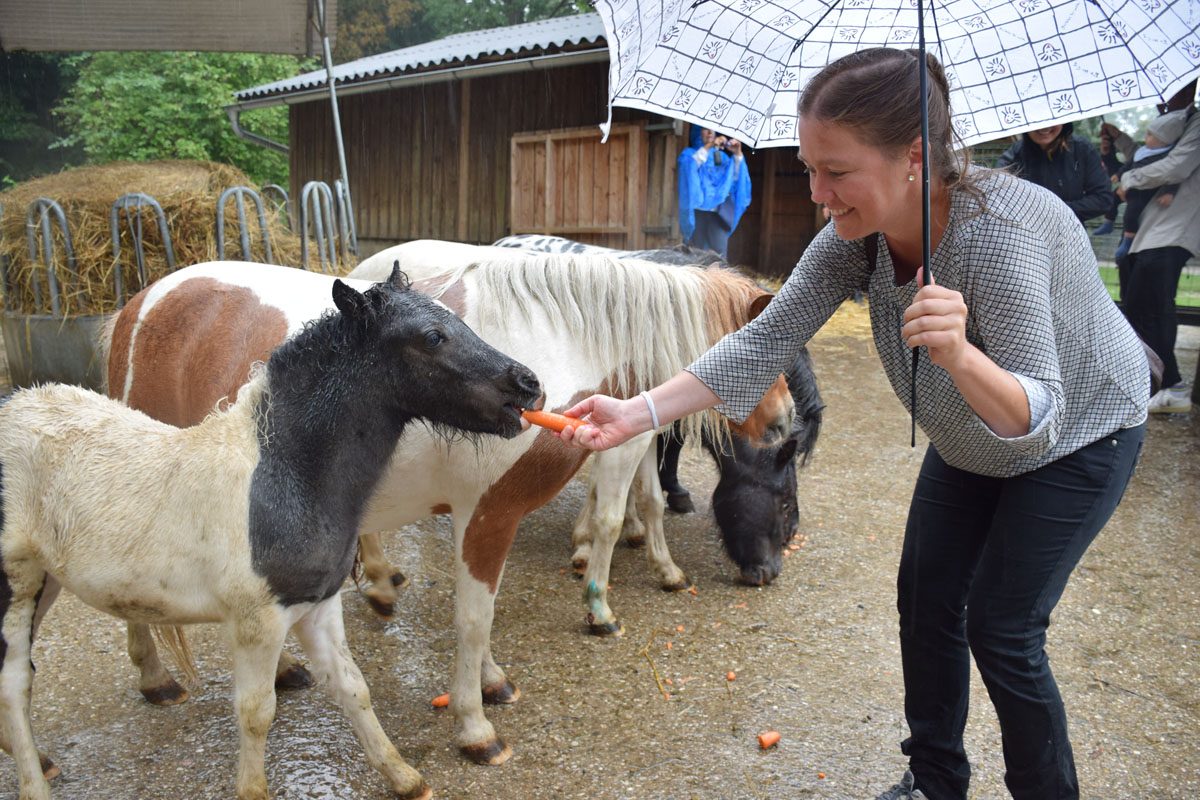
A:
(188, 193)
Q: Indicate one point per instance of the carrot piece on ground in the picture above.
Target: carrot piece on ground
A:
(731, 676)
(548, 419)
(441, 701)
(768, 739)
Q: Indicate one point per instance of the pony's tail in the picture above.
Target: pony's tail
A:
(173, 638)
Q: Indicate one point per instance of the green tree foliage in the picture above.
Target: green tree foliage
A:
(146, 106)
(367, 27)
(446, 17)
(30, 84)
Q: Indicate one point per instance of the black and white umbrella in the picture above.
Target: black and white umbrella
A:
(738, 66)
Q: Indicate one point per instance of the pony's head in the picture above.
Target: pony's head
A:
(431, 365)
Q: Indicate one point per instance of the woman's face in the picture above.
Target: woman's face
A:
(1043, 137)
(864, 189)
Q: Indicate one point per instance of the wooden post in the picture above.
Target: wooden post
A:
(464, 153)
(766, 230)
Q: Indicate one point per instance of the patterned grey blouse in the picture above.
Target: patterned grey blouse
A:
(1036, 306)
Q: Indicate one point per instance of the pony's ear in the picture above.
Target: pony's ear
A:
(786, 452)
(398, 279)
(349, 301)
(759, 303)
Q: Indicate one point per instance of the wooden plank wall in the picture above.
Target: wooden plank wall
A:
(433, 161)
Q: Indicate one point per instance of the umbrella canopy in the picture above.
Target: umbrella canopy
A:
(738, 65)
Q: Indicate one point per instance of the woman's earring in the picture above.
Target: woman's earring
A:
(911, 177)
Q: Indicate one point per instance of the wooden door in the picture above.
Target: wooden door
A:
(567, 183)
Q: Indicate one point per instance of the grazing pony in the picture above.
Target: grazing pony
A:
(754, 502)
(249, 518)
(582, 324)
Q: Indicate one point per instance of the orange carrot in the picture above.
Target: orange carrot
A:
(768, 739)
(441, 701)
(731, 676)
(548, 419)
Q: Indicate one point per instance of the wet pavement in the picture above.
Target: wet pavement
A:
(816, 654)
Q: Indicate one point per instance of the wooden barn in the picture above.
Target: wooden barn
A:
(483, 134)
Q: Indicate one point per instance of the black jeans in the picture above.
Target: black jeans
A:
(1149, 280)
(985, 561)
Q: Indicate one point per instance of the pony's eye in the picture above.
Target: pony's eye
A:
(433, 338)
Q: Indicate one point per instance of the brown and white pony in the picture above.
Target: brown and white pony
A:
(249, 518)
(582, 324)
(612, 504)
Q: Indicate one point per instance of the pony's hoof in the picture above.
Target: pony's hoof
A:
(399, 580)
(501, 693)
(489, 754)
(170, 694)
(636, 540)
(579, 565)
(49, 769)
(681, 585)
(680, 503)
(294, 677)
(422, 792)
(384, 609)
(614, 628)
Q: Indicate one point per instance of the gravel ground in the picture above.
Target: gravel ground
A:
(816, 654)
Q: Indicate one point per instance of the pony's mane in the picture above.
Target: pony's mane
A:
(647, 320)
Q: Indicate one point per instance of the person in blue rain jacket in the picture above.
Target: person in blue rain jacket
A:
(714, 189)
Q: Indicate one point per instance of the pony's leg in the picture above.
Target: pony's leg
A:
(323, 636)
(476, 582)
(650, 506)
(257, 640)
(669, 446)
(382, 578)
(613, 471)
(22, 579)
(498, 690)
(154, 682)
(581, 534)
(633, 528)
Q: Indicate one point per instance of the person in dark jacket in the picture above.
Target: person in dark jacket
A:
(1064, 163)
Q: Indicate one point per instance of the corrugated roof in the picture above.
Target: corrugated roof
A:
(530, 37)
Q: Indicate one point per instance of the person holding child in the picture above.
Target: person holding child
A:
(1161, 136)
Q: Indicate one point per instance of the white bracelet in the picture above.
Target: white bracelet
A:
(653, 412)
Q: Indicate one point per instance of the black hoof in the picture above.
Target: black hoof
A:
(502, 693)
(399, 580)
(294, 677)
(49, 769)
(636, 541)
(488, 753)
(680, 503)
(681, 586)
(172, 694)
(614, 628)
(385, 610)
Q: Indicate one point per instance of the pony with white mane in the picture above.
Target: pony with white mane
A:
(583, 324)
(612, 504)
(250, 518)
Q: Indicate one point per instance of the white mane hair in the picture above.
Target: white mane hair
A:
(647, 320)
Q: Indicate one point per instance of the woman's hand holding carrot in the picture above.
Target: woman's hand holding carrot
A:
(609, 422)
